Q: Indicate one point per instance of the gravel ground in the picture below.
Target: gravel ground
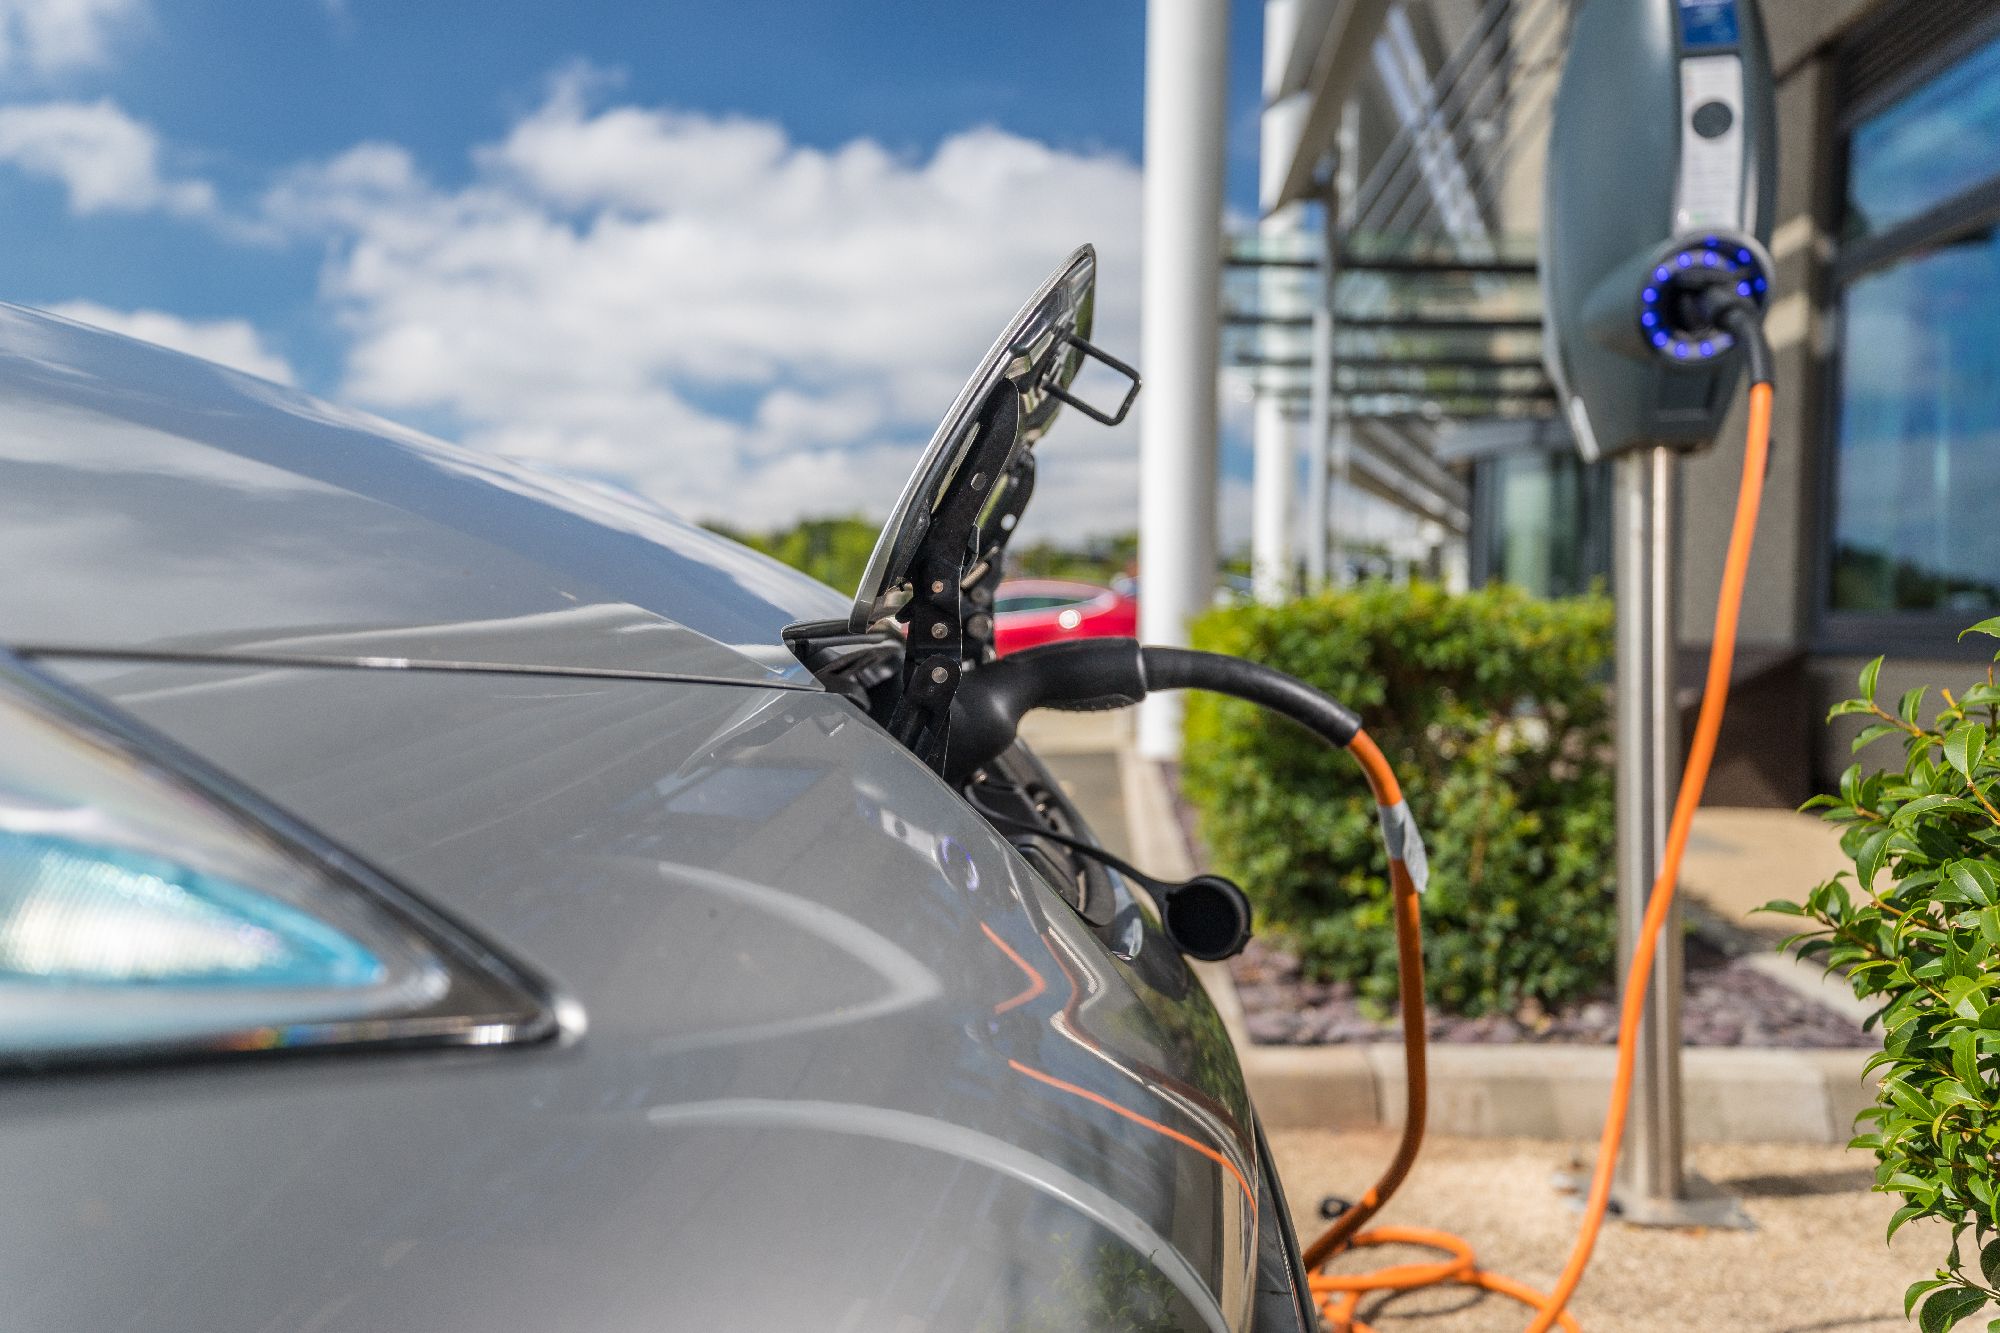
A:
(1815, 1264)
(1726, 1004)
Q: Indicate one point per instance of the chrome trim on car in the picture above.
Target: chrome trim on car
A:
(183, 658)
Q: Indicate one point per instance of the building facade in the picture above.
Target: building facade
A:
(1879, 533)
(1881, 523)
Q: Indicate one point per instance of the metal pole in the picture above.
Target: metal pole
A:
(1340, 224)
(1319, 417)
(1648, 741)
(1340, 503)
(1187, 44)
(1275, 476)
(1653, 1187)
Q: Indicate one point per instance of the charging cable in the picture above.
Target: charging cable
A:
(1112, 673)
(1091, 674)
(1742, 320)
(1341, 1293)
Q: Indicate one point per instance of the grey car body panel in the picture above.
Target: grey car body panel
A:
(170, 505)
(849, 1063)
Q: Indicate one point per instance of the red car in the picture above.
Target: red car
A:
(1031, 611)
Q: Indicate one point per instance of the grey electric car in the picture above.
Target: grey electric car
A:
(435, 896)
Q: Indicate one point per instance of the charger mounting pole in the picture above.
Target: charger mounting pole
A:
(1658, 194)
(1645, 516)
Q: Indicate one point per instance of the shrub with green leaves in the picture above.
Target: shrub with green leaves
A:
(1492, 706)
(1917, 928)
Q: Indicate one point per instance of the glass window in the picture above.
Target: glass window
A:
(1918, 448)
(1930, 145)
(1541, 522)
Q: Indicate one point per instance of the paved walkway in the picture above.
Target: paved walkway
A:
(1738, 860)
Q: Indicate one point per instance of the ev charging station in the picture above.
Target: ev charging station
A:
(1658, 199)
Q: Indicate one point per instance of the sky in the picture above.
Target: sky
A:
(735, 254)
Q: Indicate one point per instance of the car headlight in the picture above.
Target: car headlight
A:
(148, 906)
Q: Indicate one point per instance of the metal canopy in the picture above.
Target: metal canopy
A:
(1414, 309)
(1442, 337)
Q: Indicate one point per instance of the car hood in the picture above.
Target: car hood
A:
(150, 501)
(848, 1062)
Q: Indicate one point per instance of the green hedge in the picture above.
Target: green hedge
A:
(1492, 706)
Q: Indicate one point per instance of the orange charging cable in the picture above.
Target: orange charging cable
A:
(1341, 1294)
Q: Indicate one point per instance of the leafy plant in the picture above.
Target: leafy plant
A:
(1917, 927)
(1492, 706)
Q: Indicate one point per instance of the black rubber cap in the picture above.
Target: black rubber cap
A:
(1208, 918)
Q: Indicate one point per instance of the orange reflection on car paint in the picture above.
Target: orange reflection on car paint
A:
(1138, 1119)
(1035, 983)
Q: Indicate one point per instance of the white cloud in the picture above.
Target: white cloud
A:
(106, 160)
(52, 36)
(737, 324)
(229, 342)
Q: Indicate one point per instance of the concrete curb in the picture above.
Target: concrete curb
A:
(1732, 1095)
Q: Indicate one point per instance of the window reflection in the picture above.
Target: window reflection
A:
(1919, 434)
(1927, 147)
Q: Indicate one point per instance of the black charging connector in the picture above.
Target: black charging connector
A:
(1746, 321)
(1207, 916)
(1689, 286)
(1090, 674)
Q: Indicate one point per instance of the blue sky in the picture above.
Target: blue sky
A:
(661, 242)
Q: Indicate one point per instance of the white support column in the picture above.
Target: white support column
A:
(1339, 502)
(1271, 502)
(1187, 45)
(1340, 445)
(1273, 557)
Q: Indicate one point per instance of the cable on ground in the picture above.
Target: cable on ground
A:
(1340, 1294)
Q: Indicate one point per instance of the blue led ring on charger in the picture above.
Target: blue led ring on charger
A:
(1668, 321)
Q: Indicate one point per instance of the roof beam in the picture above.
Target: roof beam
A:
(1370, 471)
(1291, 44)
(1349, 30)
(1398, 442)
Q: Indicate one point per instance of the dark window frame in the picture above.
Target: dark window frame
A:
(1867, 633)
